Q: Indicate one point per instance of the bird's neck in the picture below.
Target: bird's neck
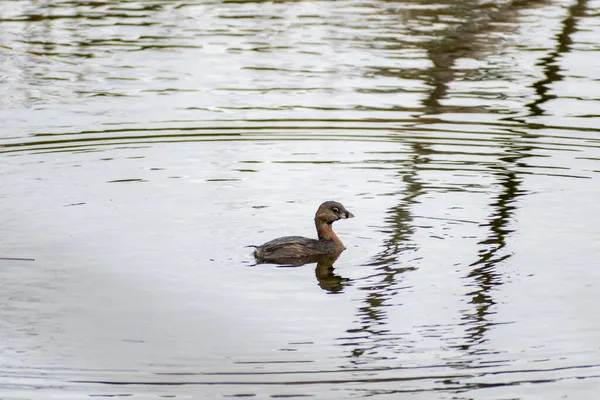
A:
(325, 232)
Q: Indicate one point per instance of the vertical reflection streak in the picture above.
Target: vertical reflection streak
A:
(484, 275)
(372, 316)
(464, 41)
(551, 69)
(458, 42)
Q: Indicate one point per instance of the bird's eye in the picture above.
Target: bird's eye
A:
(335, 210)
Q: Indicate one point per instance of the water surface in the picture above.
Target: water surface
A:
(144, 144)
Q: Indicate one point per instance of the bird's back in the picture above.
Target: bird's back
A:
(292, 247)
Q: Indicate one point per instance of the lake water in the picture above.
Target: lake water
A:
(145, 144)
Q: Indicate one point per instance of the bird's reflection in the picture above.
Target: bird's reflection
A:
(327, 279)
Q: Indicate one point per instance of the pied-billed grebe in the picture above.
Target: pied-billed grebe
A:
(299, 249)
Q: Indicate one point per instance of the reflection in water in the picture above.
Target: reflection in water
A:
(467, 39)
(551, 69)
(456, 42)
(372, 318)
(324, 272)
(400, 217)
(327, 278)
(308, 92)
(465, 42)
(485, 274)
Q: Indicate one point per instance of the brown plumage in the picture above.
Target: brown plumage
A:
(298, 249)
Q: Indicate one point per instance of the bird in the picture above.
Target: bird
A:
(298, 249)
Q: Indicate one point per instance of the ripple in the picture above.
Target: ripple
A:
(144, 144)
(446, 139)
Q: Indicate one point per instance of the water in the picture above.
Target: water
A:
(144, 144)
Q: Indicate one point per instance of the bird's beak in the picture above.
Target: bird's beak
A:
(348, 215)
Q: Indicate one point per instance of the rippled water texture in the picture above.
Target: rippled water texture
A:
(144, 144)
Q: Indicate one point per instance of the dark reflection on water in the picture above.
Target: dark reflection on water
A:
(485, 274)
(327, 279)
(388, 269)
(399, 217)
(462, 41)
(467, 39)
(465, 133)
(549, 63)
